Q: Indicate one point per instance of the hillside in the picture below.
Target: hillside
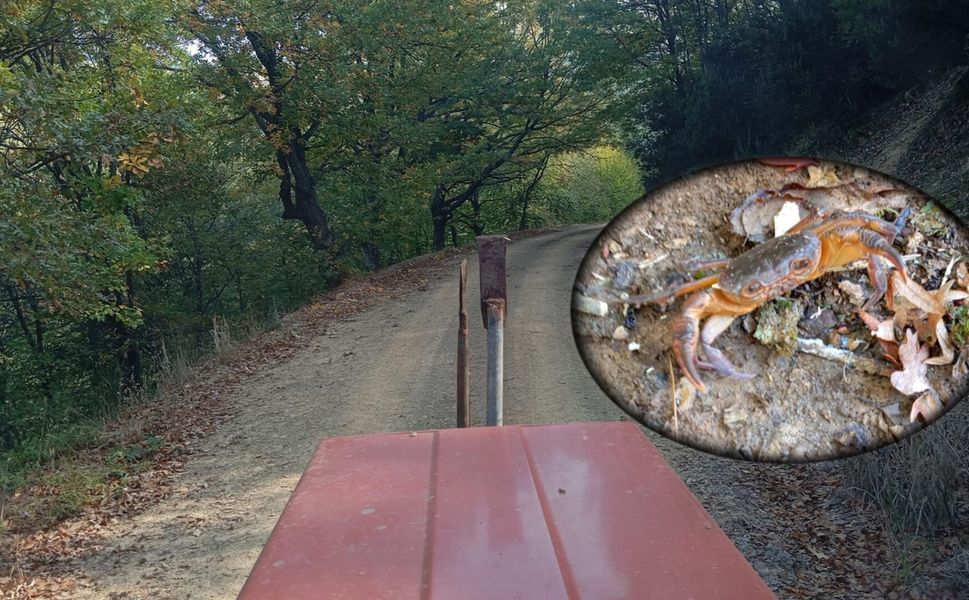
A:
(920, 136)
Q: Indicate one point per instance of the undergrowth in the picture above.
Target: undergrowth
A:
(920, 490)
(52, 477)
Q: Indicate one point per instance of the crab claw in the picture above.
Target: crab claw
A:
(720, 363)
(880, 246)
(686, 336)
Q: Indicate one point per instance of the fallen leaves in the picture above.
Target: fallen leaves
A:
(822, 176)
(755, 218)
(915, 295)
(942, 338)
(786, 218)
(926, 408)
(911, 379)
(884, 332)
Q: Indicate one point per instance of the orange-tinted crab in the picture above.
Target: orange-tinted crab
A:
(816, 245)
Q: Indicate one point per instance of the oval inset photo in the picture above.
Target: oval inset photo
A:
(782, 309)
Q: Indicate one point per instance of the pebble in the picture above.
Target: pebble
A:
(733, 416)
(626, 273)
(590, 306)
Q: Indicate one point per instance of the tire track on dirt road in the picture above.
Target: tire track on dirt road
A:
(391, 368)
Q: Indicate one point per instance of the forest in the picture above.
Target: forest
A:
(176, 172)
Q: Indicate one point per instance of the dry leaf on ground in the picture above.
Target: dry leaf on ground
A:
(927, 406)
(786, 218)
(942, 337)
(754, 218)
(884, 332)
(961, 368)
(911, 379)
(910, 290)
(822, 176)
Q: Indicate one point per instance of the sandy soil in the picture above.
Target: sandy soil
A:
(391, 369)
(797, 406)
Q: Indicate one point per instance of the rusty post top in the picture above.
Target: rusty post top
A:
(491, 273)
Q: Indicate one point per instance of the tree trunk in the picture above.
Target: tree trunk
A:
(297, 191)
(129, 354)
(240, 292)
(439, 217)
(476, 225)
(454, 236)
(131, 371)
(371, 256)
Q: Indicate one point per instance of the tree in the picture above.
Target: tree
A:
(280, 63)
(85, 106)
(549, 89)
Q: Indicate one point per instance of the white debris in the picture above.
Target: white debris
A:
(787, 217)
(819, 348)
(590, 306)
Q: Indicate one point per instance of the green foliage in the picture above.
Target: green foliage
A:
(591, 186)
(960, 325)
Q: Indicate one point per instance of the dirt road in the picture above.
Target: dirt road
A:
(392, 369)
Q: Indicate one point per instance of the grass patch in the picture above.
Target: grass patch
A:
(960, 325)
(920, 488)
(56, 477)
(42, 451)
(915, 482)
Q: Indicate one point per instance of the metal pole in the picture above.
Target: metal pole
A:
(464, 374)
(496, 364)
(494, 307)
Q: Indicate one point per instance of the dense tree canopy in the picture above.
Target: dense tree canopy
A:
(167, 166)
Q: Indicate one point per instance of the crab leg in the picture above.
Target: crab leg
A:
(806, 222)
(879, 246)
(668, 295)
(876, 274)
(703, 265)
(845, 244)
(716, 360)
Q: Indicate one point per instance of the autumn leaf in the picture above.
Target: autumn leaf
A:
(948, 352)
(911, 379)
(910, 290)
(786, 218)
(926, 408)
(962, 275)
(884, 332)
(820, 176)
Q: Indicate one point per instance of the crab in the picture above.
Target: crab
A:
(813, 247)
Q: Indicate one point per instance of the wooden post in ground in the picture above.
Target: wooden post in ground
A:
(464, 374)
